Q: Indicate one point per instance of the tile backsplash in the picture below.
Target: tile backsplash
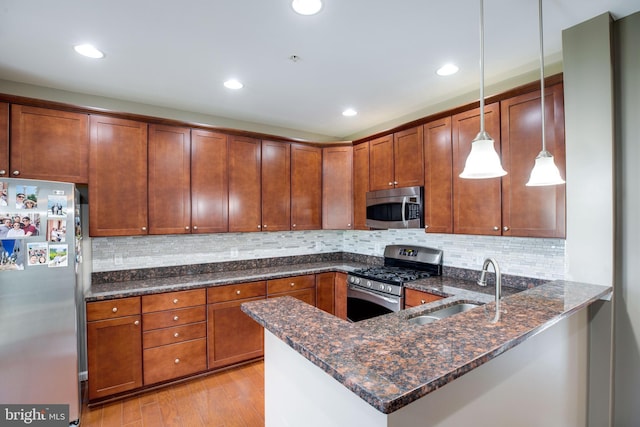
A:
(529, 257)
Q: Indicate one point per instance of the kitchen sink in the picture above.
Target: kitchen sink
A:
(441, 313)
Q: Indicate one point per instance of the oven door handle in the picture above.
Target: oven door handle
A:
(404, 206)
(376, 296)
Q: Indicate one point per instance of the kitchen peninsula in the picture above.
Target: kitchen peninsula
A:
(321, 370)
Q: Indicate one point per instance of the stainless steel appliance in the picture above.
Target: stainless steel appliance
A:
(40, 295)
(395, 208)
(376, 291)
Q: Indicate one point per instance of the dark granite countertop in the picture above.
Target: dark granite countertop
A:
(390, 363)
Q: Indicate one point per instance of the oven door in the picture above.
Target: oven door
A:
(364, 304)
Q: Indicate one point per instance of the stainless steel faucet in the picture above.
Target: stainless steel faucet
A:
(483, 282)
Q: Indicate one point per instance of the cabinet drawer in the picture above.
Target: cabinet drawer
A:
(413, 298)
(174, 335)
(172, 300)
(174, 360)
(165, 319)
(235, 292)
(111, 309)
(290, 284)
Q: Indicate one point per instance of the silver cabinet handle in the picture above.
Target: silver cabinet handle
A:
(395, 182)
(186, 227)
(422, 301)
(195, 227)
(2, 171)
(426, 226)
(144, 228)
(176, 361)
(175, 317)
(175, 300)
(176, 335)
(349, 225)
(294, 226)
(264, 226)
(114, 309)
(505, 228)
(292, 284)
(137, 322)
(16, 173)
(390, 183)
(496, 228)
(259, 227)
(238, 292)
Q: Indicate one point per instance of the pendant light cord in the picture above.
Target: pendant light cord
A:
(544, 145)
(481, 67)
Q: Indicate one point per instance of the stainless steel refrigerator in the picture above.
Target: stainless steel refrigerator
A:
(40, 294)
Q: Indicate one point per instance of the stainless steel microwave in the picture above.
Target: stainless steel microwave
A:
(395, 208)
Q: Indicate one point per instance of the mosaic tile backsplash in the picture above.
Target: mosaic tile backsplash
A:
(528, 257)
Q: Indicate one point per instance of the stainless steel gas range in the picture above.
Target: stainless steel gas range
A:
(375, 291)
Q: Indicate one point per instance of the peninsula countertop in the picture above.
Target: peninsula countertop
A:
(389, 362)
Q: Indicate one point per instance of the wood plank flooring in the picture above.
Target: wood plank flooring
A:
(231, 398)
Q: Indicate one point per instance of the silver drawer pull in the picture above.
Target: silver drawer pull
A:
(176, 361)
(175, 301)
(175, 317)
(292, 284)
(137, 322)
(176, 335)
(114, 309)
(238, 292)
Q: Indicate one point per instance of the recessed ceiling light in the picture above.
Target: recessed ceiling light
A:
(89, 51)
(307, 7)
(447, 70)
(349, 112)
(233, 84)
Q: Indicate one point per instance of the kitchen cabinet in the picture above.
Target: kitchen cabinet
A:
(476, 202)
(232, 336)
(325, 292)
(397, 160)
(209, 182)
(360, 185)
(340, 304)
(438, 177)
(532, 211)
(48, 144)
(337, 188)
(300, 287)
(114, 353)
(117, 177)
(306, 187)
(414, 298)
(276, 186)
(4, 139)
(174, 338)
(169, 180)
(245, 205)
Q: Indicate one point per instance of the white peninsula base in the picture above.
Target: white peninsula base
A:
(541, 382)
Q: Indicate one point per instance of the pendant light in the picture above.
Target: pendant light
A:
(483, 161)
(545, 171)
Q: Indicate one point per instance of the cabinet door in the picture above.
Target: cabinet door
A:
(114, 353)
(169, 180)
(476, 202)
(209, 182)
(276, 186)
(438, 179)
(414, 298)
(117, 177)
(49, 144)
(341, 296)
(306, 187)
(304, 295)
(532, 211)
(4, 139)
(337, 188)
(381, 163)
(408, 158)
(233, 336)
(325, 292)
(244, 184)
(360, 185)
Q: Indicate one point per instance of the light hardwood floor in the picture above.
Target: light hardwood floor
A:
(231, 398)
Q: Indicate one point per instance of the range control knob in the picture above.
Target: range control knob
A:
(381, 287)
(368, 283)
(389, 289)
(357, 280)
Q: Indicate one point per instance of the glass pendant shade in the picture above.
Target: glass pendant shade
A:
(545, 171)
(483, 161)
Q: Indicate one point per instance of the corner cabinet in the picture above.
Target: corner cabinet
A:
(337, 188)
(306, 187)
(49, 144)
(117, 177)
(360, 185)
(532, 211)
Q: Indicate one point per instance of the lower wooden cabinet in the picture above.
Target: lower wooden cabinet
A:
(340, 296)
(414, 298)
(325, 292)
(300, 287)
(233, 336)
(114, 353)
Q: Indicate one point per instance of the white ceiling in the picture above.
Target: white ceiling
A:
(377, 56)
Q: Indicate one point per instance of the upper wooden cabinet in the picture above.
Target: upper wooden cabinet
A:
(118, 177)
(276, 186)
(532, 211)
(169, 180)
(48, 144)
(337, 188)
(245, 205)
(396, 160)
(209, 182)
(306, 187)
(4, 139)
(360, 185)
(476, 202)
(438, 177)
